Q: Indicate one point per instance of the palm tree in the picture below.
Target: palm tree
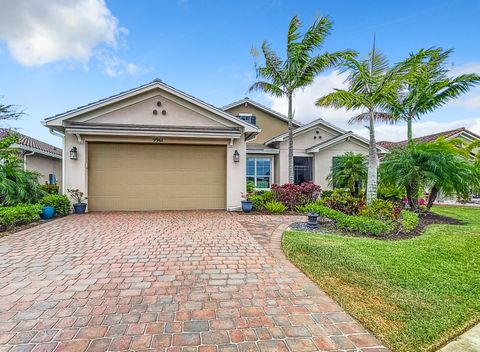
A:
(282, 78)
(18, 186)
(427, 85)
(372, 84)
(437, 166)
(349, 170)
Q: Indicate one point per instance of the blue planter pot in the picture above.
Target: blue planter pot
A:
(247, 206)
(80, 208)
(47, 213)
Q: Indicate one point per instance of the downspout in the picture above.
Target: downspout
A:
(25, 160)
(58, 134)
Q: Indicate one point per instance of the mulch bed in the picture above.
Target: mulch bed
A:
(19, 228)
(424, 221)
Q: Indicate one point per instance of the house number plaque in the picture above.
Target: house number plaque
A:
(158, 139)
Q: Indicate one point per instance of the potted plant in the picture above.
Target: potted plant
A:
(47, 212)
(247, 204)
(79, 206)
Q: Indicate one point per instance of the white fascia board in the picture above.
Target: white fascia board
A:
(85, 109)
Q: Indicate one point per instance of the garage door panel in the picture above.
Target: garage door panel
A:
(156, 177)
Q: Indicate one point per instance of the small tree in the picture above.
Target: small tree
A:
(349, 171)
(282, 78)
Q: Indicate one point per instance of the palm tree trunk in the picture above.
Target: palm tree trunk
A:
(409, 130)
(412, 196)
(432, 197)
(290, 140)
(372, 163)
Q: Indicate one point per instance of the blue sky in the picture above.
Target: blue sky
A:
(57, 55)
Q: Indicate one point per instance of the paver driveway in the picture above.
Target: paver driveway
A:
(176, 281)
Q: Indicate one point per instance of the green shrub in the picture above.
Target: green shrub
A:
(343, 201)
(250, 187)
(259, 198)
(275, 207)
(354, 223)
(382, 210)
(19, 215)
(392, 193)
(50, 189)
(60, 203)
(18, 186)
(257, 201)
(408, 220)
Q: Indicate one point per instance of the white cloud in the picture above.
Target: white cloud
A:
(395, 133)
(304, 100)
(38, 32)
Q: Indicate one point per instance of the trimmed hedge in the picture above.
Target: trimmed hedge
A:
(408, 220)
(60, 203)
(19, 215)
(355, 223)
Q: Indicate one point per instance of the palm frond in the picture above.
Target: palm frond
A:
(342, 99)
(377, 116)
(268, 88)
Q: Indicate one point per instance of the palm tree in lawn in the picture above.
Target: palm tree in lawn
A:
(438, 166)
(372, 85)
(427, 85)
(349, 170)
(282, 78)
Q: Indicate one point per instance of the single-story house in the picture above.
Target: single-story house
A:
(461, 133)
(155, 147)
(40, 157)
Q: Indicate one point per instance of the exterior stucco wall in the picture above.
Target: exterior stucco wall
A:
(76, 171)
(141, 113)
(270, 125)
(45, 165)
(301, 142)
(323, 160)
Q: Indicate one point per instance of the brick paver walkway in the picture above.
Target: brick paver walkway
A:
(163, 281)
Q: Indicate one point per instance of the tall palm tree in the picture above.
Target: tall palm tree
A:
(349, 170)
(282, 78)
(427, 85)
(372, 84)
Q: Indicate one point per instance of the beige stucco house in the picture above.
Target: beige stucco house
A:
(40, 157)
(155, 147)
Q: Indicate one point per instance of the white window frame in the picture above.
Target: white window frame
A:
(255, 170)
(248, 114)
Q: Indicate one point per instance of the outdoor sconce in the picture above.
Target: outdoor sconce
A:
(236, 156)
(73, 153)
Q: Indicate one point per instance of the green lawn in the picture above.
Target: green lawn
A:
(413, 294)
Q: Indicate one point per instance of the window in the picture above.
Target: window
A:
(302, 169)
(259, 172)
(248, 118)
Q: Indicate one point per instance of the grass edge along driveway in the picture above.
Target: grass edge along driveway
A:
(413, 294)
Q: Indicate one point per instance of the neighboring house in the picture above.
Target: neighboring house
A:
(461, 133)
(40, 157)
(155, 147)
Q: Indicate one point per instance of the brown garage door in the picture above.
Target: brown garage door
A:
(156, 177)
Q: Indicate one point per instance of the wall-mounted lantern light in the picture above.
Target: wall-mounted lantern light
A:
(236, 156)
(73, 153)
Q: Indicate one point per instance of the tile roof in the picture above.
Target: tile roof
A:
(427, 138)
(37, 146)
